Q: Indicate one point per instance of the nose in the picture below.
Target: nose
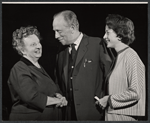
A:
(104, 36)
(39, 45)
(57, 35)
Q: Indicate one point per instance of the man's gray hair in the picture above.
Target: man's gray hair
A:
(70, 17)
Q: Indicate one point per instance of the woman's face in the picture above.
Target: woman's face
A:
(32, 47)
(111, 38)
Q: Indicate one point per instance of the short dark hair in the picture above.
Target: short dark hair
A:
(70, 17)
(21, 33)
(122, 26)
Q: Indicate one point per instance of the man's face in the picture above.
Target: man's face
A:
(62, 30)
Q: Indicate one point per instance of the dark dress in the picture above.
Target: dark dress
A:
(29, 87)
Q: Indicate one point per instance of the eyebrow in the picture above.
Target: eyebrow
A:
(57, 30)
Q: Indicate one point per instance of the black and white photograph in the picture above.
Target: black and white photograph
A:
(74, 61)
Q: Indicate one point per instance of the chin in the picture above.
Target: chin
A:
(63, 43)
(38, 56)
(108, 46)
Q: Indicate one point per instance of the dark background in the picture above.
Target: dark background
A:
(92, 22)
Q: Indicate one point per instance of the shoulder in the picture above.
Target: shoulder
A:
(92, 40)
(132, 57)
(131, 54)
(62, 49)
(20, 67)
(95, 38)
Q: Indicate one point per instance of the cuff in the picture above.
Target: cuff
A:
(109, 102)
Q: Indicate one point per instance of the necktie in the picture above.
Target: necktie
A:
(73, 51)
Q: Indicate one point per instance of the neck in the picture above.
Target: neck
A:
(120, 46)
(75, 36)
(34, 61)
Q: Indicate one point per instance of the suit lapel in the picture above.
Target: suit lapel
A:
(82, 49)
(81, 52)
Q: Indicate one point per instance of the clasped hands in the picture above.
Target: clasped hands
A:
(63, 101)
(102, 102)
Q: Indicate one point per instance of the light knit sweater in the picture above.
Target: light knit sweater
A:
(127, 85)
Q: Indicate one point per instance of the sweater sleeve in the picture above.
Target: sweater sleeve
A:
(135, 72)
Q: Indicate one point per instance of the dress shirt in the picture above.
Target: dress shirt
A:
(77, 42)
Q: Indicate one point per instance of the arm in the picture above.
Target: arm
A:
(59, 95)
(57, 74)
(24, 87)
(105, 63)
(106, 57)
(53, 101)
(135, 72)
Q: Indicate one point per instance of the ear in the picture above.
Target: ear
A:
(73, 28)
(22, 50)
(119, 39)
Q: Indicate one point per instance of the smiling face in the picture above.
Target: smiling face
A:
(63, 32)
(111, 38)
(32, 47)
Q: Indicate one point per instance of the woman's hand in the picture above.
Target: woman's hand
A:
(103, 102)
(64, 102)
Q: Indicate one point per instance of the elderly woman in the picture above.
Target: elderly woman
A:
(34, 95)
(125, 98)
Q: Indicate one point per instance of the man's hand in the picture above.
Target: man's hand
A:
(64, 102)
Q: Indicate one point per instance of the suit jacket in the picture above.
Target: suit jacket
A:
(91, 66)
(29, 88)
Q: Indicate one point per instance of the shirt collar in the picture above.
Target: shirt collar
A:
(77, 42)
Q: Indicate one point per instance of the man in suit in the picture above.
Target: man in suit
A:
(81, 76)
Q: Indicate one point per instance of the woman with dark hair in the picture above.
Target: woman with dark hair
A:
(34, 95)
(125, 83)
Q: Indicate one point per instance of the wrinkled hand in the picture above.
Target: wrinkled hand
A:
(102, 102)
(64, 102)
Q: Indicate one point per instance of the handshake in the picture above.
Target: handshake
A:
(58, 100)
(62, 100)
